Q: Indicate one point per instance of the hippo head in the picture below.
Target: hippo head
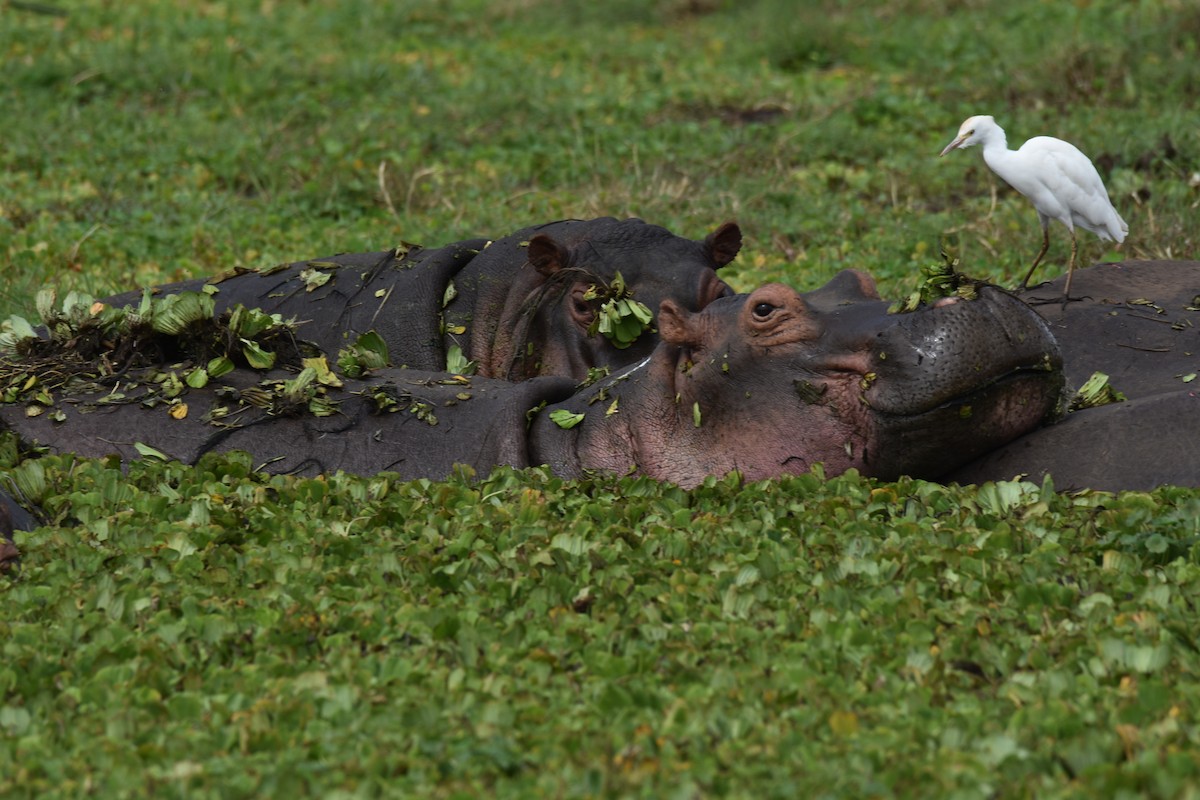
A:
(776, 381)
(575, 276)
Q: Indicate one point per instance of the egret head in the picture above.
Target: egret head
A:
(973, 131)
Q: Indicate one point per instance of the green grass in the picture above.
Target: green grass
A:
(211, 632)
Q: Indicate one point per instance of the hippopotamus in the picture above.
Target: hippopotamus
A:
(1139, 323)
(766, 383)
(518, 307)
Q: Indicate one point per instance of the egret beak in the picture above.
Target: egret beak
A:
(957, 141)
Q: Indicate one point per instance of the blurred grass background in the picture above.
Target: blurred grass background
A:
(152, 141)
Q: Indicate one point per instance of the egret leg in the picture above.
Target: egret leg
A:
(1070, 267)
(1038, 259)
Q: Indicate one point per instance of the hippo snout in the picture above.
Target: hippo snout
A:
(954, 348)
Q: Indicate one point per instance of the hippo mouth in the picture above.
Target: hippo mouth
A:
(931, 443)
(959, 379)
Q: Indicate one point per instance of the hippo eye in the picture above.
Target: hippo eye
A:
(763, 310)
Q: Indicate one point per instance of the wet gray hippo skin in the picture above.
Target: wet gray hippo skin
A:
(767, 383)
(1138, 323)
(518, 307)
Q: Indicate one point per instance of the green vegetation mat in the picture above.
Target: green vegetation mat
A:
(213, 632)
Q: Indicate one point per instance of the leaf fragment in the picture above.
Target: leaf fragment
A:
(565, 419)
(1096, 391)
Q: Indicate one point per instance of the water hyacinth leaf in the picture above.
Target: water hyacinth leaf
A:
(299, 389)
(250, 322)
(450, 293)
(696, 414)
(171, 385)
(13, 330)
(565, 419)
(458, 363)
(939, 281)
(44, 302)
(314, 278)
(77, 305)
(368, 352)
(321, 406)
(197, 378)
(320, 367)
(1096, 391)
(221, 365)
(147, 302)
(30, 480)
(257, 357)
(146, 451)
(570, 543)
(174, 313)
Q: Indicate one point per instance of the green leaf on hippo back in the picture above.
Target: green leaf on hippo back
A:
(1188, 378)
(221, 365)
(450, 293)
(321, 406)
(320, 367)
(257, 357)
(565, 419)
(45, 301)
(174, 313)
(170, 384)
(458, 363)
(300, 388)
(612, 409)
(696, 414)
(250, 322)
(197, 378)
(1096, 391)
(314, 278)
(372, 350)
(146, 451)
(13, 330)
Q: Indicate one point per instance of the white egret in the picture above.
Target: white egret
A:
(1061, 182)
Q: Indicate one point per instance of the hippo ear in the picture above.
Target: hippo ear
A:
(677, 326)
(724, 243)
(546, 255)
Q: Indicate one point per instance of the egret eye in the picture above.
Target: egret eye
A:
(763, 310)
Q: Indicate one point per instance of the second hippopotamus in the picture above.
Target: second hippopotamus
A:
(524, 305)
